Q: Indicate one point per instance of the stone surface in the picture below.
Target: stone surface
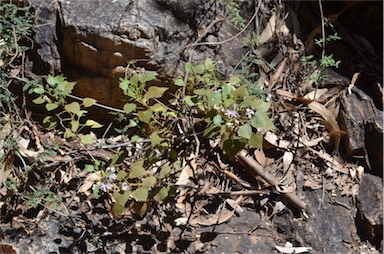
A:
(370, 209)
(96, 39)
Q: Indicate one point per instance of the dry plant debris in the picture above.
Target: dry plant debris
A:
(209, 188)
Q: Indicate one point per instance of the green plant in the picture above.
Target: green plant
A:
(235, 13)
(42, 195)
(230, 111)
(54, 96)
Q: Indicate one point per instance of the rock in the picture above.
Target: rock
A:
(363, 122)
(369, 218)
(96, 39)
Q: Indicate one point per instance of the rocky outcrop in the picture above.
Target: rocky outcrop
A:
(98, 38)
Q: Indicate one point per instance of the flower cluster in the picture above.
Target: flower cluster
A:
(108, 182)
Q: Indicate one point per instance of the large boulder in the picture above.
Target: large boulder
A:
(97, 38)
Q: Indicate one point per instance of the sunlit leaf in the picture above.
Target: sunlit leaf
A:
(201, 91)
(234, 80)
(50, 122)
(217, 120)
(117, 210)
(209, 64)
(140, 208)
(188, 67)
(245, 131)
(188, 101)
(240, 92)
(89, 167)
(145, 116)
(39, 100)
(87, 139)
(162, 194)
(256, 140)
(155, 92)
(155, 139)
(121, 198)
(87, 102)
(39, 90)
(261, 120)
(164, 171)
(135, 138)
(147, 77)
(158, 107)
(75, 126)
(149, 181)
(140, 194)
(199, 69)
(68, 133)
(232, 146)
(137, 169)
(51, 106)
(93, 124)
(179, 82)
(73, 107)
(123, 84)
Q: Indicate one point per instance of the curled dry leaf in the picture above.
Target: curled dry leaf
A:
(212, 219)
(89, 181)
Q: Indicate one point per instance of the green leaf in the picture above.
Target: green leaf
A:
(74, 126)
(132, 123)
(129, 107)
(87, 102)
(155, 92)
(39, 100)
(66, 87)
(54, 80)
(123, 84)
(155, 139)
(162, 194)
(256, 140)
(199, 69)
(87, 139)
(145, 116)
(188, 67)
(73, 107)
(240, 92)
(158, 108)
(188, 101)
(201, 91)
(117, 210)
(260, 105)
(179, 82)
(137, 169)
(232, 146)
(117, 158)
(261, 120)
(149, 181)
(121, 175)
(245, 131)
(121, 198)
(135, 138)
(217, 120)
(209, 64)
(89, 167)
(51, 106)
(234, 80)
(164, 171)
(227, 89)
(93, 124)
(50, 122)
(68, 133)
(39, 90)
(147, 77)
(140, 194)
(211, 131)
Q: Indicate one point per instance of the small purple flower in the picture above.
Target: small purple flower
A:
(124, 186)
(112, 177)
(103, 186)
(231, 113)
(249, 113)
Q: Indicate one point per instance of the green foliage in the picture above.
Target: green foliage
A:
(54, 96)
(230, 111)
(43, 196)
(235, 13)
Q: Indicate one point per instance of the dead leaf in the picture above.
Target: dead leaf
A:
(185, 174)
(212, 219)
(89, 181)
(260, 156)
(287, 160)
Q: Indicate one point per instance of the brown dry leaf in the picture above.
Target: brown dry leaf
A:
(23, 145)
(287, 160)
(318, 92)
(334, 163)
(89, 181)
(275, 77)
(260, 156)
(313, 185)
(313, 142)
(269, 30)
(234, 204)
(326, 114)
(186, 173)
(212, 219)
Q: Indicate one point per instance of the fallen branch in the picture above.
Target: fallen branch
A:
(256, 169)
